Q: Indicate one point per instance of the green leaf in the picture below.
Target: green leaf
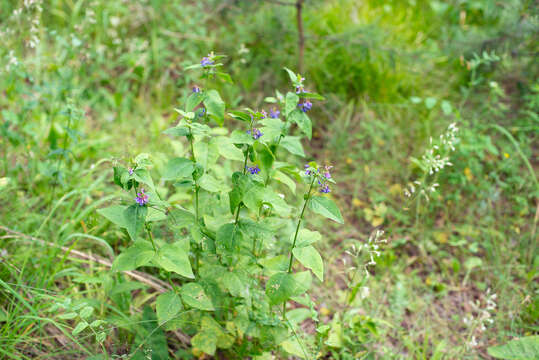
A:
(326, 207)
(446, 107)
(79, 328)
(194, 295)
(335, 334)
(143, 176)
(139, 254)
(227, 239)
(115, 214)
(134, 217)
(194, 100)
(178, 168)
(306, 237)
(309, 257)
(215, 106)
(292, 75)
(227, 149)
(174, 257)
(281, 177)
(127, 287)
(518, 349)
(240, 115)
(291, 103)
(293, 145)
(430, 102)
(264, 156)
(205, 341)
(306, 95)
(177, 131)
(293, 347)
(167, 306)
(302, 282)
(234, 285)
(280, 287)
(211, 184)
(303, 121)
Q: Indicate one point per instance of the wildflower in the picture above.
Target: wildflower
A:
(255, 132)
(327, 175)
(130, 170)
(202, 112)
(264, 114)
(196, 89)
(324, 189)
(308, 172)
(274, 113)
(142, 198)
(299, 89)
(305, 106)
(206, 61)
(253, 169)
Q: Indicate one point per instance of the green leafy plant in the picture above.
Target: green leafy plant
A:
(230, 253)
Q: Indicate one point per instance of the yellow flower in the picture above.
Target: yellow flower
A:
(506, 155)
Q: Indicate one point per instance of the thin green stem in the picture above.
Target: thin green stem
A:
(151, 236)
(307, 198)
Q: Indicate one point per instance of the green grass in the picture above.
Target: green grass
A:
(125, 72)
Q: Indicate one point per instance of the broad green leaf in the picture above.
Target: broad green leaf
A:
(79, 328)
(293, 347)
(135, 216)
(306, 237)
(292, 75)
(180, 130)
(114, 214)
(194, 295)
(139, 254)
(205, 341)
(309, 257)
(227, 149)
(282, 178)
(86, 312)
(215, 106)
(194, 100)
(174, 257)
(241, 137)
(206, 154)
(143, 176)
(291, 102)
(446, 107)
(227, 239)
(264, 156)
(335, 334)
(211, 184)
(303, 122)
(235, 285)
(525, 348)
(280, 287)
(293, 145)
(430, 102)
(240, 115)
(302, 282)
(326, 207)
(167, 306)
(178, 168)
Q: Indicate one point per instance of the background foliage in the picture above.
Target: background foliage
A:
(86, 84)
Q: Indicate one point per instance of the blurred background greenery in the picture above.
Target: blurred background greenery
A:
(86, 82)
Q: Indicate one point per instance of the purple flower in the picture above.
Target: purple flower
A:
(142, 198)
(196, 89)
(264, 114)
(256, 133)
(305, 106)
(299, 89)
(202, 112)
(307, 171)
(327, 175)
(253, 169)
(206, 61)
(324, 189)
(274, 113)
(130, 170)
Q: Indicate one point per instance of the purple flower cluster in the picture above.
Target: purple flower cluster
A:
(274, 113)
(206, 61)
(196, 89)
(305, 106)
(256, 133)
(142, 198)
(322, 178)
(253, 169)
(264, 114)
(131, 171)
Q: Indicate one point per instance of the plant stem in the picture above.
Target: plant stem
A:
(151, 236)
(307, 198)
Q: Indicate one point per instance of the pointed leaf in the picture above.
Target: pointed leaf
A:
(194, 295)
(135, 216)
(174, 257)
(309, 257)
(326, 207)
(167, 306)
(178, 168)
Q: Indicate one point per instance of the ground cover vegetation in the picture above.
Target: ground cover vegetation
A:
(269, 179)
